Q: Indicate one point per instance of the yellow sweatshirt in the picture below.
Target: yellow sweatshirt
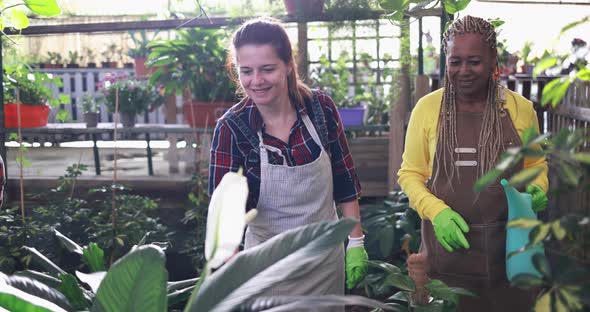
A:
(420, 146)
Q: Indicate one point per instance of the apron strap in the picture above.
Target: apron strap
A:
(245, 129)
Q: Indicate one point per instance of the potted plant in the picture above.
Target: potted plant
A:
(34, 94)
(90, 58)
(527, 66)
(141, 50)
(135, 96)
(193, 65)
(90, 109)
(333, 78)
(108, 55)
(73, 59)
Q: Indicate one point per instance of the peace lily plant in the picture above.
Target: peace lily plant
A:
(138, 281)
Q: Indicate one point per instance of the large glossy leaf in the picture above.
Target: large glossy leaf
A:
(14, 299)
(72, 290)
(401, 281)
(43, 261)
(173, 286)
(544, 64)
(394, 5)
(439, 290)
(543, 304)
(43, 7)
(136, 282)
(93, 279)
(582, 157)
(70, 245)
(555, 90)
(41, 277)
(35, 288)
(583, 74)
(289, 254)
(308, 303)
(539, 233)
(386, 266)
(179, 295)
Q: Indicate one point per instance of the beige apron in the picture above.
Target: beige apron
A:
(292, 197)
(481, 268)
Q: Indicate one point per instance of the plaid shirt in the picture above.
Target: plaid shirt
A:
(231, 149)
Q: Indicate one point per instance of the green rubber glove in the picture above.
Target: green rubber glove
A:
(449, 227)
(539, 197)
(356, 265)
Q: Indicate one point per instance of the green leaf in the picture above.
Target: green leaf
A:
(70, 288)
(544, 64)
(462, 291)
(136, 282)
(526, 280)
(525, 176)
(93, 256)
(568, 174)
(582, 157)
(386, 266)
(496, 22)
(542, 264)
(12, 299)
(439, 290)
(487, 179)
(574, 24)
(307, 303)
(41, 277)
(386, 238)
(400, 281)
(454, 6)
(296, 251)
(43, 261)
(539, 233)
(524, 223)
(173, 286)
(558, 231)
(554, 91)
(93, 279)
(394, 5)
(571, 296)
(70, 245)
(179, 295)
(528, 135)
(17, 19)
(543, 304)
(583, 74)
(43, 7)
(34, 288)
(399, 296)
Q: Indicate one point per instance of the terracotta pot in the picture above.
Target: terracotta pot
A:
(204, 114)
(32, 116)
(304, 7)
(140, 68)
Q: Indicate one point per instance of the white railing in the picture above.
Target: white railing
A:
(78, 81)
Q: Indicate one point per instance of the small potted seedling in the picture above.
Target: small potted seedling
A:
(90, 109)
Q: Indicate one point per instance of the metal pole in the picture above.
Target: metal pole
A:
(420, 49)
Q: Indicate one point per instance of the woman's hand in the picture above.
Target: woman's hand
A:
(449, 227)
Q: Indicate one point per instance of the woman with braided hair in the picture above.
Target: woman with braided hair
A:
(455, 135)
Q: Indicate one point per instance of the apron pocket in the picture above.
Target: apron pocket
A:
(485, 259)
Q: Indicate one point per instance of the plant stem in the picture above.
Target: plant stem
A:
(20, 155)
(113, 186)
(76, 177)
(10, 7)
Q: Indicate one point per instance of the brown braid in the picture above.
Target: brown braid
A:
(490, 136)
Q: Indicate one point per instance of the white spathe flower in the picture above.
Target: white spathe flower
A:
(226, 218)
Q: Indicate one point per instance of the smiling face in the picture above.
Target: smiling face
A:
(470, 63)
(262, 74)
